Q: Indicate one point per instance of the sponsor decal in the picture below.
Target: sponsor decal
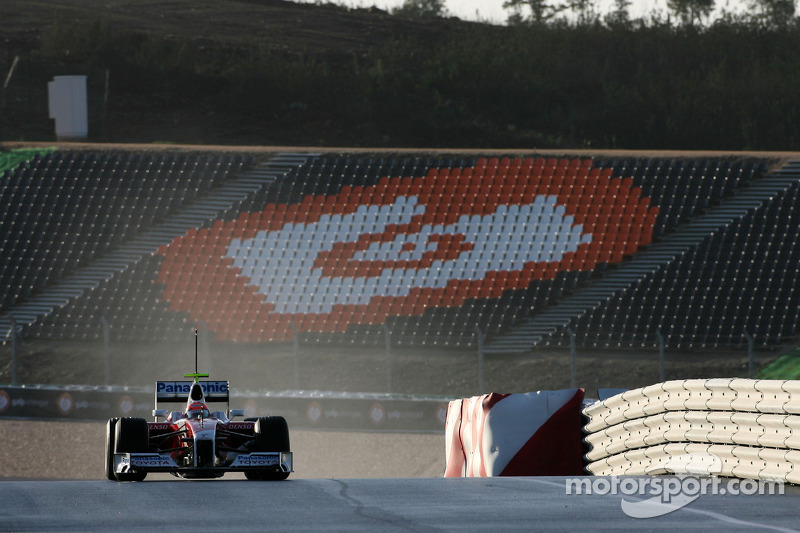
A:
(29, 402)
(151, 461)
(173, 387)
(314, 412)
(404, 415)
(83, 404)
(159, 426)
(401, 247)
(239, 426)
(343, 413)
(5, 400)
(126, 405)
(214, 387)
(177, 388)
(256, 459)
(65, 403)
(377, 414)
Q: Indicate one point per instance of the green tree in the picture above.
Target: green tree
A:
(422, 8)
(620, 16)
(584, 11)
(773, 13)
(690, 12)
(540, 11)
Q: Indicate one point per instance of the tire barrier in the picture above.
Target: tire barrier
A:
(309, 410)
(532, 434)
(732, 427)
(765, 464)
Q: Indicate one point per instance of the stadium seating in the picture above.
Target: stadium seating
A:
(511, 217)
(741, 280)
(61, 210)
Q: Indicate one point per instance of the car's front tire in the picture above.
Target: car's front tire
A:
(131, 436)
(109, 455)
(271, 434)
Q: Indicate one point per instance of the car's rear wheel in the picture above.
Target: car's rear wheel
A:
(131, 436)
(109, 455)
(271, 434)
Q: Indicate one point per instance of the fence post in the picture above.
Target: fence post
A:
(3, 96)
(479, 334)
(14, 350)
(660, 356)
(388, 357)
(750, 355)
(296, 339)
(573, 382)
(106, 348)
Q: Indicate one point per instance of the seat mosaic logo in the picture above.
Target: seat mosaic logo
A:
(401, 247)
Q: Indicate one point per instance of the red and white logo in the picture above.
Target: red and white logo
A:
(377, 414)
(314, 412)
(5, 400)
(126, 405)
(65, 403)
(401, 247)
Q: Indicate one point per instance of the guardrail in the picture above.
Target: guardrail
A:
(302, 409)
(732, 427)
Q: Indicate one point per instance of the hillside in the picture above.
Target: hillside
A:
(271, 72)
(324, 29)
(117, 44)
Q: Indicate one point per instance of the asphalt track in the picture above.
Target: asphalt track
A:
(474, 504)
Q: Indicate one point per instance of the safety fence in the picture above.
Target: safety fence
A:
(302, 409)
(731, 427)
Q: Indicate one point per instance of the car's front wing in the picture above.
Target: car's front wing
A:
(162, 462)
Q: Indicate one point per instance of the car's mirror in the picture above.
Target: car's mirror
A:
(159, 412)
(236, 412)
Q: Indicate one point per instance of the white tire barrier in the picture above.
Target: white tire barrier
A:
(751, 427)
(767, 464)
(712, 427)
(756, 396)
(537, 433)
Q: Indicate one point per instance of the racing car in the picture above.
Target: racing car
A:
(197, 442)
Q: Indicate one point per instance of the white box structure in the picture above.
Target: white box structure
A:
(67, 99)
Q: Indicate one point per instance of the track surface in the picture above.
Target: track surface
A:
(74, 450)
(504, 504)
(407, 498)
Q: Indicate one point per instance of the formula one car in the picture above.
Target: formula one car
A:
(197, 442)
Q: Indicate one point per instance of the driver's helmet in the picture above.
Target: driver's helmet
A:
(197, 410)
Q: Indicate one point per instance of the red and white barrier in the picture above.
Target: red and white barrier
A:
(531, 434)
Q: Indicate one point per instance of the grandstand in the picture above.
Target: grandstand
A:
(341, 248)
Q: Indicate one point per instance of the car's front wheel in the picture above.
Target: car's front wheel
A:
(271, 435)
(131, 436)
(109, 455)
